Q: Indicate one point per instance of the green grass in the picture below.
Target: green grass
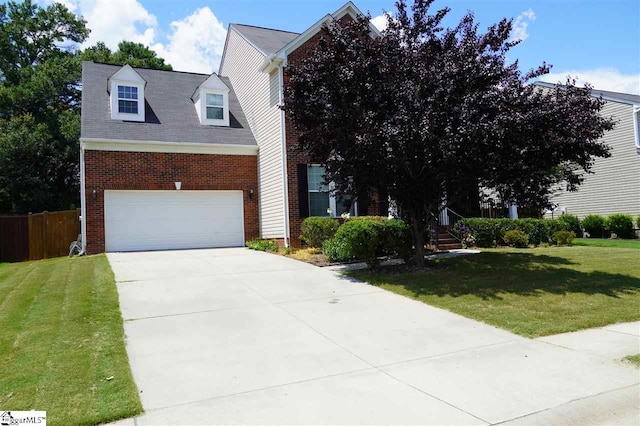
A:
(531, 292)
(605, 242)
(61, 338)
(633, 359)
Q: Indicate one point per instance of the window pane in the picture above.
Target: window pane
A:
(318, 203)
(215, 113)
(315, 178)
(127, 107)
(214, 100)
(344, 204)
(127, 92)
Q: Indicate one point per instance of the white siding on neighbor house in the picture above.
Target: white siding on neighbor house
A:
(258, 94)
(615, 185)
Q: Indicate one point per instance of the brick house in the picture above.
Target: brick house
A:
(174, 160)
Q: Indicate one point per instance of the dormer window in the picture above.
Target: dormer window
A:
(127, 99)
(126, 90)
(211, 100)
(215, 106)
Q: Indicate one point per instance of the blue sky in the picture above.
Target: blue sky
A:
(597, 39)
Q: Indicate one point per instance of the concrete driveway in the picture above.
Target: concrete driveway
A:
(237, 336)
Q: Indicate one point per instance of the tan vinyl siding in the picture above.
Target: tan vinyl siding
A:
(615, 185)
(258, 96)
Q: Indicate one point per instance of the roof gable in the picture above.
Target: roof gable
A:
(266, 40)
(347, 9)
(126, 73)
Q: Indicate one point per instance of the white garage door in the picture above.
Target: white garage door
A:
(159, 220)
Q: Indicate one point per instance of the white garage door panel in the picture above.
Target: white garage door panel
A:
(156, 220)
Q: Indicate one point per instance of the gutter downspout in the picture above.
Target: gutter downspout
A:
(283, 136)
(83, 202)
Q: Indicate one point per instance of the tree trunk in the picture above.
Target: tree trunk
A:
(417, 230)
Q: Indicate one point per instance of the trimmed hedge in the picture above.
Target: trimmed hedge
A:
(491, 232)
(621, 225)
(595, 225)
(316, 230)
(369, 238)
(573, 224)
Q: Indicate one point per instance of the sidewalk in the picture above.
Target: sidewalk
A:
(612, 342)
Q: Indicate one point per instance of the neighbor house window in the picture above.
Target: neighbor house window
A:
(127, 100)
(321, 201)
(215, 106)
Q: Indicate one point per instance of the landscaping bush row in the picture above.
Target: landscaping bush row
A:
(601, 227)
(492, 232)
(360, 238)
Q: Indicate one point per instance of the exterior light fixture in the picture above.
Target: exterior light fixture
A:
(250, 193)
(94, 194)
(178, 185)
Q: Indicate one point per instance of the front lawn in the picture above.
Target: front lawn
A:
(61, 342)
(606, 242)
(531, 292)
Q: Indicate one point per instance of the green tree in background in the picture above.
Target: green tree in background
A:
(134, 54)
(40, 92)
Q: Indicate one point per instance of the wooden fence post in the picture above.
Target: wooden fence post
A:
(29, 230)
(45, 224)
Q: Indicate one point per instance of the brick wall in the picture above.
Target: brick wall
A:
(159, 171)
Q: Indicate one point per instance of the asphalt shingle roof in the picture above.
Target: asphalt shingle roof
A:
(605, 93)
(170, 115)
(624, 96)
(266, 39)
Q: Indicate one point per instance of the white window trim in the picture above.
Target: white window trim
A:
(115, 112)
(225, 107)
(332, 197)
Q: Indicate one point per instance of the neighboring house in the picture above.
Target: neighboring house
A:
(175, 160)
(614, 186)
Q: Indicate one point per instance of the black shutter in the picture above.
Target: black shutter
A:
(363, 205)
(303, 191)
(384, 205)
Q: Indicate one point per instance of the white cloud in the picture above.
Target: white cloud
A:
(380, 22)
(195, 43)
(521, 24)
(600, 78)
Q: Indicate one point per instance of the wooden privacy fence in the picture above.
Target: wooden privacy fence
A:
(38, 236)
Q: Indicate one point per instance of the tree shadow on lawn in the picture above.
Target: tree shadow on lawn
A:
(491, 275)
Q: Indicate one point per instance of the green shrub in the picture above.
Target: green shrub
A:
(316, 230)
(288, 251)
(564, 238)
(363, 239)
(379, 219)
(482, 230)
(556, 225)
(621, 225)
(638, 222)
(336, 250)
(516, 238)
(572, 223)
(262, 245)
(595, 225)
(491, 232)
(396, 240)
